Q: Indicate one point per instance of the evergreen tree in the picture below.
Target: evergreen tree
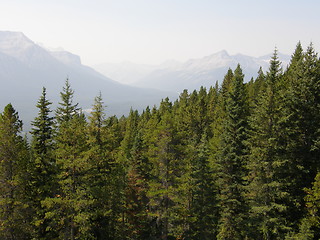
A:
(293, 149)
(256, 88)
(219, 117)
(213, 103)
(267, 166)
(99, 173)
(136, 192)
(67, 109)
(310, 226)
(240, 161)
(204, 195)
(14, 207)
(69, 210)
(231, 162)
(43, 168)
(302, 127)
(167, 206)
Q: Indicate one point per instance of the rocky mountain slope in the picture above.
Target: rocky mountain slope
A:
(26, 67)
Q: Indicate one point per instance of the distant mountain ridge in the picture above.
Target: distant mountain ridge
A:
(25, 67)
(192, 74)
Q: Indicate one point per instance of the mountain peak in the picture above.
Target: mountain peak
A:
(215, 60)
(222, 53)
(15, 44)
(13, 40)
(11, 34)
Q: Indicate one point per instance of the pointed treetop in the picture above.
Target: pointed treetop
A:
(67, 109)
(226, 82)
(97, 114)
(275, 69)
(238, 71)
(260, 72)
(42, 127)
(10, 118)
(297, 55)
(311, 53)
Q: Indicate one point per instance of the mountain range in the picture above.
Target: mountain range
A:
(26, 67)
(176, 76)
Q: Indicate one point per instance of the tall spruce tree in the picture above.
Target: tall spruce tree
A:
(43, 167)
(67, 108)
(218, 117)
(232, 160)
(166, 206)
(68, 212)
(267, 166)
(293, 149)
(99, 172)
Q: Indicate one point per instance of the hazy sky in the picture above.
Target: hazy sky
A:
(152, 31)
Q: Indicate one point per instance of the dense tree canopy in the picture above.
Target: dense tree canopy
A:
(236, 161)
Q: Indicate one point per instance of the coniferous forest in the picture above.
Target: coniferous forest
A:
(236, 161)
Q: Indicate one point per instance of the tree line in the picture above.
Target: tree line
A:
(236, 161)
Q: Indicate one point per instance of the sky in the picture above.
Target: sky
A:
(153, 31)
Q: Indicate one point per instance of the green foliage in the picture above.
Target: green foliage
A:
(239, 161)
(313, 206)
(69, 208)
(232, 160)
(14, 206)
(268, 186)
(67, 109)
(42, 165)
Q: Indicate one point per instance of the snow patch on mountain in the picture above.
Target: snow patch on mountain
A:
(25, 67)
(192, 74)
(217, 60)
(14, 43)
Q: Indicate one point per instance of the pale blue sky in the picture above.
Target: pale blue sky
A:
(152, 31)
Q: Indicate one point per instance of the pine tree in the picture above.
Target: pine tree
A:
(310, 225)
(203, 206)
(166, 207)
(196, 185)
(219, 117)
(68, 212)
(256, 88)
(43, 168)
(302, 127)
(14, 207)
(67, 109)
(99, 172)
(136, 191)
(291, 136)
(267, 166)
(231, 162)
(212, 105)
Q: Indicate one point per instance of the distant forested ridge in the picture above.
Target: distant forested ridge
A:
(236, 161)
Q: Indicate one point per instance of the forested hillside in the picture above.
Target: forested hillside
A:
(236, 161)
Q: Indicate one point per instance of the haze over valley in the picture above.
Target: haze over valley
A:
(175, 76)
(162, 119)
(26, 67)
